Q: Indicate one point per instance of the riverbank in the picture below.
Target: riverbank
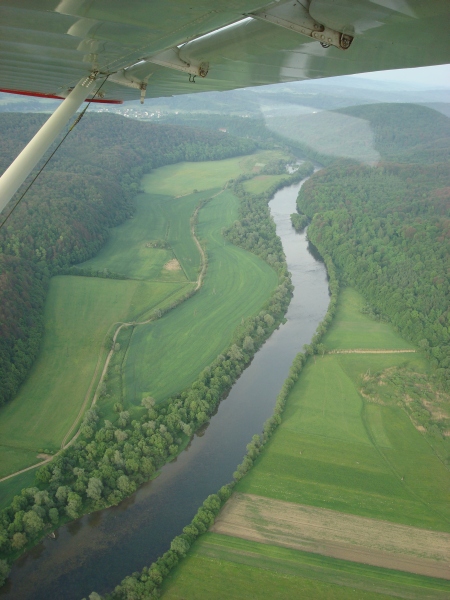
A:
(209, 462)
(349, 451)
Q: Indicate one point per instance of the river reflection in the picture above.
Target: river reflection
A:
(99, 550)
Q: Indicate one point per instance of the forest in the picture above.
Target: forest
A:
(387, 227)
(64, 219)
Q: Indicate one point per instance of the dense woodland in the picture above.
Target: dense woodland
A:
(387, 227)
(255, 231)
(64, 219)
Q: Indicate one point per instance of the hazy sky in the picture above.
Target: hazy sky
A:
(438, 76)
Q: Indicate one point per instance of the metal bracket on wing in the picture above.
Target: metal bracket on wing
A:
(168, 58)
(295, 17)
(171, 59)
(123, 77)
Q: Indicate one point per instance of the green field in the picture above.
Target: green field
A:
(225, 568)
(183, 178)
(261, 183)
(81, 313)
(178, 346)
(157, 218)
(336, 450)
(352, 329)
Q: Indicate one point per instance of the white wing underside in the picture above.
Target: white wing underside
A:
(47, 46)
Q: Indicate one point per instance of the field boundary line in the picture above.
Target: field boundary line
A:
(181, 265)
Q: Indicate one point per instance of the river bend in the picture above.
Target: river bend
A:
(97, 551)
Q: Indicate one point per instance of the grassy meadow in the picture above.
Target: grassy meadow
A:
(336, 450)
(82, 312)
(178, 346)
(183, 178)
(224, 568)
(351, 329)
(261, 183)
(79, 313)
(158, 218)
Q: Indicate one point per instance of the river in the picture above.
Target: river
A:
(97, 551)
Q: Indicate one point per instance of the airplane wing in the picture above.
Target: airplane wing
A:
(116, 50)
(159, 48)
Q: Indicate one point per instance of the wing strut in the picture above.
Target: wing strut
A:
(16, 174)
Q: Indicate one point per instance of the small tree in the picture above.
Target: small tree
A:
(61, 493)
(180, 546)
(53, 513)
(148, 402)
(73, 505)
(94, 489)
(269, 319)
(321, 349)
(32, 522)
(19, 540)
(248, 344)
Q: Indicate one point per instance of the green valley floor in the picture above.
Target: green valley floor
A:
(155, 262)
(351, 473)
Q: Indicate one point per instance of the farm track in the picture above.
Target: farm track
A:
(65, 444)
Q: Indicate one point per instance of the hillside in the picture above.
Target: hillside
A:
(387, 227)
(86, 189)
(406, 133)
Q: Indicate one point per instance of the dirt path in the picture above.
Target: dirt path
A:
(135, 324)
(357, 351)
(65, 444)
(336, 534)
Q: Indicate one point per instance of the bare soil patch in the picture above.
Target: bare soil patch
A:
(172, 265)
(336, 534)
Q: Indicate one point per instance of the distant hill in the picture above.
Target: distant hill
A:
(87, 188)
(386, 226)
(406, 132)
